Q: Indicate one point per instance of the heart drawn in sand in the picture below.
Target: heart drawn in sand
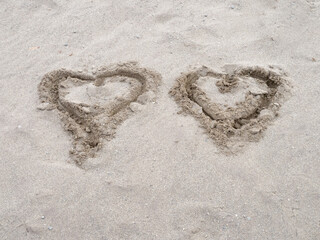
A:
(92, 106)
(234, 107)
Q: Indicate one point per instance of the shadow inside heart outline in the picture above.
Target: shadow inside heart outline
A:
(230, 126)
(91, 122)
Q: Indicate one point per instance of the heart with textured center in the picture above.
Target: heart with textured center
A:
(234, 107)
(92, 106)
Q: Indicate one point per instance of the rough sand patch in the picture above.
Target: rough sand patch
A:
(92, 106)
(231, 125)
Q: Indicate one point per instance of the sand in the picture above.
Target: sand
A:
(155, 170)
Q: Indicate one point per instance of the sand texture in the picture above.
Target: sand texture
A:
(182, 120)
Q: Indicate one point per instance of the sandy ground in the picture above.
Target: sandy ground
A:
(161, 176)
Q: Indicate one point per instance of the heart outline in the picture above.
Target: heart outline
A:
(223, 125)
(86, 131)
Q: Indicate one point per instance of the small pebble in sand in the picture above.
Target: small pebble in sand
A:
(19, 126)
(43, 106)
(50, 228)
(66, 44)
(266, 114)
(197, 109)
(86, 109)
(135, 107)
(42, 217)
(213, 124)
(254, 130)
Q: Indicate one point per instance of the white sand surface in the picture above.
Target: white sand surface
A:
(161, 176)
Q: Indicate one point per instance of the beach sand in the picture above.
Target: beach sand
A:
(158, 173)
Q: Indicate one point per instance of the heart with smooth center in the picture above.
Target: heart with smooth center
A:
(233, 107)
(92, 106)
